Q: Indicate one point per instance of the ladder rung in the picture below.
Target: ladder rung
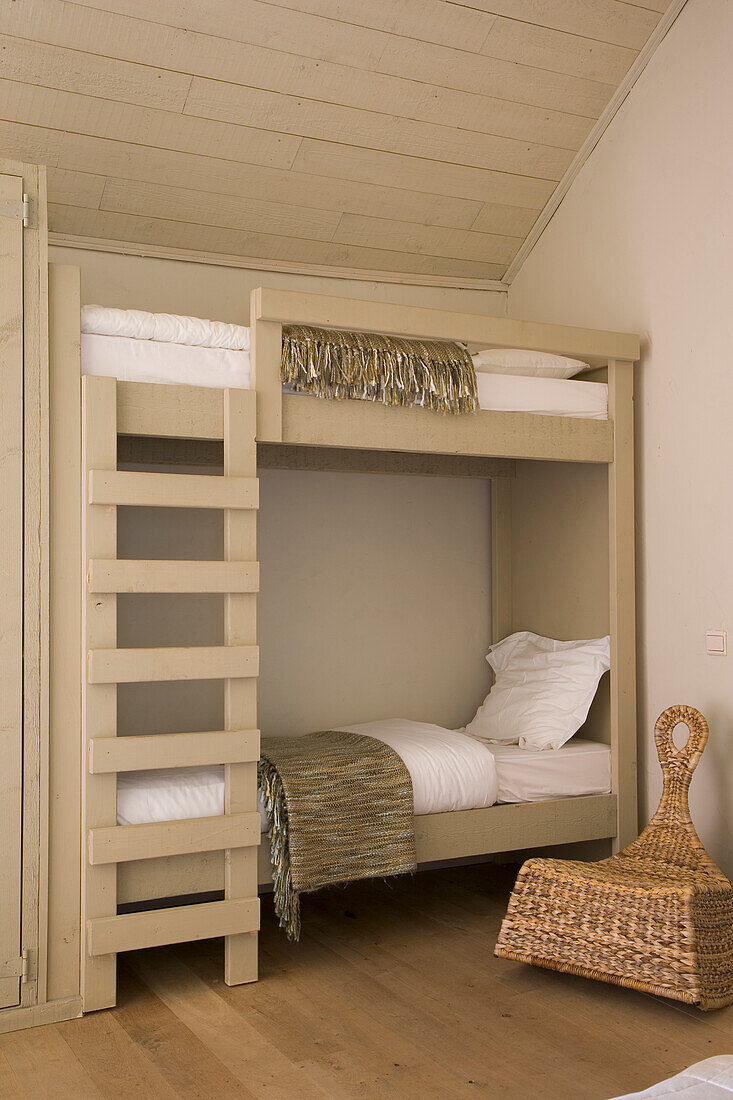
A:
(131, 666)
(172, 750)
(128, 575)
(122, 843)
(172, 490)
(156, 927)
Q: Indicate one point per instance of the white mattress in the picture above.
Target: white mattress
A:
(449, 771)
(711, 1079)
(544, 396)
(579, 767)
(132, 359)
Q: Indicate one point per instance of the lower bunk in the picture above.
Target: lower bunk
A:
(470, 799)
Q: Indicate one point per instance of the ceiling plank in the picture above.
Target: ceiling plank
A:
(373, 166)
(142, 125)
(203, 238)
(229, 212)
(62, 23)
(70, 70)
(604, 20)
(523, 43)
(426, 239)
(505, 78)
(67, 25)
(426, 20)
(212, 99)
(80, 188)
(137, 162)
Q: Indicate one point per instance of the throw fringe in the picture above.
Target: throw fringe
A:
(285, 896)
(369, 367)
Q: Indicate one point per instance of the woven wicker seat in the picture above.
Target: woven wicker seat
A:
(656, 917)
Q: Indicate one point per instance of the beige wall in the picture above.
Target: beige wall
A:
(643, 242)
(375, 589)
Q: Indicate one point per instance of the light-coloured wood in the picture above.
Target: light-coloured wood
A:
(262, 264)
(49, 1012)
(501, 559)
(35, 580)
(128, 575)
(502, 828)
(132, 931)
(438, 924)
(274, 456)
(622, 585)
(176, 411)
(171, 490)
(138, 666)
(99, 700)
(65, 671)
(11, 577)
(241, 414)
(296, 307)
(172, 750)
(349, 112)
(264, 357)
(308, 421)
(123, 843)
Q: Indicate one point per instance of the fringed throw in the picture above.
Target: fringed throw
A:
(341, 808)
(370, 367)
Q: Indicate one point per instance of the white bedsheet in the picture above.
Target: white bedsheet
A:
(132, 359)
(711, 1079)
(449, 771)
(579, 767)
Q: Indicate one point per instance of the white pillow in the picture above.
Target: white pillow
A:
(542, 692)
(538, 364)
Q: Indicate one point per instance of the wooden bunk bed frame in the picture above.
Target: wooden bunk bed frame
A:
(121, 865)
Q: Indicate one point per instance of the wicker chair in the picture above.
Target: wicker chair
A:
(657, 917)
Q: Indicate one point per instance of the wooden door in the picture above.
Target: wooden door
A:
(11, 584)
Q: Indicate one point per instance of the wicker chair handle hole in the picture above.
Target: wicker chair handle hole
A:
(687, 755)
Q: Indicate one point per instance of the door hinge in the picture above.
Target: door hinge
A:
(26, 211)
(16, 968)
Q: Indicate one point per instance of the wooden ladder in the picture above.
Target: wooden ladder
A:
(237, 831)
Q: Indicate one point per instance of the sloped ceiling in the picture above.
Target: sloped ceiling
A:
(401, 136)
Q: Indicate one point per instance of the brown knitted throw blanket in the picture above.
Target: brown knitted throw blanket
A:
(341, 808)
(370, 367)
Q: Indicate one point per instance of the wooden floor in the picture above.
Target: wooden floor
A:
(393, 991)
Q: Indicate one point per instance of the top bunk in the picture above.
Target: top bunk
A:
(289, 422)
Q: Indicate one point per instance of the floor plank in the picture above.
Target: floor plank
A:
(393, 990)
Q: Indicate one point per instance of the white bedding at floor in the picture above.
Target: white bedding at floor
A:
(449, 771)
(135, 360)
(711, 1079)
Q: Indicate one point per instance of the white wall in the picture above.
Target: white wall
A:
(643, 242)
(374, 589)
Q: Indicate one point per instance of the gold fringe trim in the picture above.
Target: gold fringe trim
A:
(370, 367)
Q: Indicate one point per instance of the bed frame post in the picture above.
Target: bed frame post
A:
(622, 600)
(99, 700)
(265, 351)
(240, 544)
(502, 615)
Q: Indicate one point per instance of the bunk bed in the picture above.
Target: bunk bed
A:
(121, 424)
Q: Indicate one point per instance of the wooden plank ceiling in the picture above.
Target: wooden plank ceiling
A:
(405, 136)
